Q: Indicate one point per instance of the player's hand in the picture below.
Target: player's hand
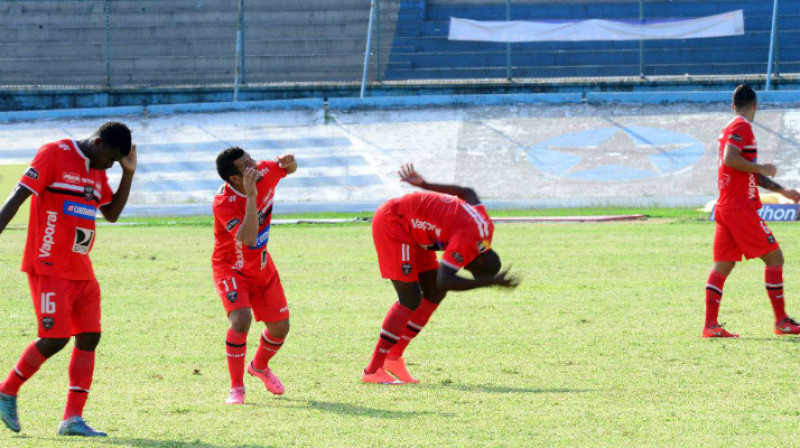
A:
(287, 162)
(128, 163)
(409, 174)
(249, 180)
(769, 170)
(794, 195)
(505, 279)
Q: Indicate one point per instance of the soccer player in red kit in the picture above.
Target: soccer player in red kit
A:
(739, 229)
(244, 274)
(68, 182)
(407, 232)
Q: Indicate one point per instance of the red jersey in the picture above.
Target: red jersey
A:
(443, 222)
(66, 196)
(738, 189)
(252, 262)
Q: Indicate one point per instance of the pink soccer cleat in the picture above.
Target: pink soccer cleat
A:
(379, 377)
(235, 396)
(272, 382)
(397, 367)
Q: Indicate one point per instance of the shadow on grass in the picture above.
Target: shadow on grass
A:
(361, 411)
(494, 389)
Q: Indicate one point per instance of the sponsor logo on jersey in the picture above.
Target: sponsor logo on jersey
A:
(83, 240)
(47, 240)
(232, 296)
(88, 192)
(447, 199)
(261, 239)
(232, 223)
(735, 137)
(47, 322)
(232, 198)
(752, 187)
(32, 173)
(64, 146)
(71, 177)
(239, 256)
(483, 246)
(426, 226)
(406, 268)
(80, 210)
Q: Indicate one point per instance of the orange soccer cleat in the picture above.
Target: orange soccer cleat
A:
(379, 377)
(787, 326)
(718, 332)
(397, 367)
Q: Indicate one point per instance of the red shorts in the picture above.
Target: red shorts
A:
(65, 307)
(740, 231)
(267, 300)
(399, 257)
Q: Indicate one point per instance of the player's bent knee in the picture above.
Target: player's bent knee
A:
(87, 341)
(50, 346)
(241, 319)
(279, 329)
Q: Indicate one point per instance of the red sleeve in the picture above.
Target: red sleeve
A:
(40, 175)
(105, 190)
(739, 135)
(460, 252)
(230, 217)
(274, 173)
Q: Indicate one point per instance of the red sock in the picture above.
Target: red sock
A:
(81, 369)
(236, 348)
(267, 348)
(29, 362)
(714, 286)
(392, 328)
(773, 280)
(415, 324)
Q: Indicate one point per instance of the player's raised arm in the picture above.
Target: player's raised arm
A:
(410, 175)
(113, 209)
(248, 231)
(287, 162)
(12, 204)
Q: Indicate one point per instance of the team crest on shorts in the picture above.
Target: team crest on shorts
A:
(406, 268)
(771, 239)
(232, 296)
(47, 322)
(457, 256)
(88, 192)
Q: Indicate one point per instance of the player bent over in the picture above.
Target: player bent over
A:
(245, 276)
(739, 229)
(407, 232)
(68, 182)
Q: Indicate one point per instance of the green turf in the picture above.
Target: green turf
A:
(9, 176)
(599, 346)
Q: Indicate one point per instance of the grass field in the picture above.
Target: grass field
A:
(599, 346)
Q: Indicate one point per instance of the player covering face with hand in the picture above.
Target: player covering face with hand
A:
(407, 232)
(68, 182)
(739, 229)
(244, 274)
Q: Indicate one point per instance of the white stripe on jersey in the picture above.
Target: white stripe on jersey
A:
(483, 226)
(78, 188)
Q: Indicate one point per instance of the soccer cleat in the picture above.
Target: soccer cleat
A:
(8, 412)
(272, 382)
(75, 426)
(787, 326)
(379, 377)
(235, 396)
(718, 332)
(397, 367)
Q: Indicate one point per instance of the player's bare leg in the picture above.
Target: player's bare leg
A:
(773, 281)
(271, 341)
(235, 349)
(714, 286)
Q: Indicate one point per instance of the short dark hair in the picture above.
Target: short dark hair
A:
(486, 264)
(116, 135)
(743, 96)
(225, 159)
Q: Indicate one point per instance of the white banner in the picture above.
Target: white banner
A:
(727, 24)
